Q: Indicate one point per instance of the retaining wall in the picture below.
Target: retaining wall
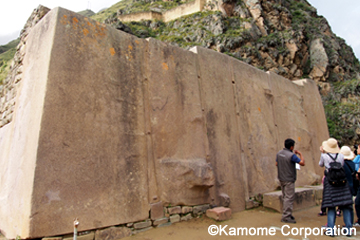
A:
(106, 125)
(177, 12)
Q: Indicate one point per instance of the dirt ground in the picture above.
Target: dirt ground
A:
(252, 220)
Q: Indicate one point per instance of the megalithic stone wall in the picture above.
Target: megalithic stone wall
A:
(107, 125)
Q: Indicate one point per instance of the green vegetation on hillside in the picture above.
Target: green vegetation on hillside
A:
(7, 53)
(342, 108)
(9, 45)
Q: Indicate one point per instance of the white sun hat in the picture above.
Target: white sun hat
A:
(346, 151)
(331, 146)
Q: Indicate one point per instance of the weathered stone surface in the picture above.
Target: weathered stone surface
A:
(174, 210)
(186, 209)
(304, 197)
(219, 213)
(160, 221)
(156, 210)
(224, 200)
(221, 126)
(186, 217)
(251, 204)
(163, 125)
(46, 238)
(198, 210)
(112, 233)
(143, 224)
(318, 192)
(319, 60)
(175, 218)
(189, 182)
(179, 149)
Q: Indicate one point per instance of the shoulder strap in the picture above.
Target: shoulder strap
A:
(332, 157)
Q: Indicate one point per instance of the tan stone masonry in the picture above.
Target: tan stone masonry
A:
(107, 127)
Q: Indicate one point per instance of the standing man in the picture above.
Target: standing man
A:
(285, 162)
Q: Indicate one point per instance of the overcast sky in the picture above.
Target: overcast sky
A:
(343, 15)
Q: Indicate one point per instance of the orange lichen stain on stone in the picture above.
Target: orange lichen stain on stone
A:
(299, 139)
(75, 20)
(259, 109)
(85, 31)
(64, 20)
(165, 66)
(137, 42)
(112, 51)
(89, 23)
(130, 47)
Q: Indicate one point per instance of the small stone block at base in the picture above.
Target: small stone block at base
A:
(144, 224)
(219, 213)
(160, 221)
(175, 218)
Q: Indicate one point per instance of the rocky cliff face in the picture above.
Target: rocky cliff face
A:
(283, 36)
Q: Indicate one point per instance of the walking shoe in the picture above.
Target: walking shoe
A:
(356, 224)
(288, 220)
(292, 217)
(321, 214)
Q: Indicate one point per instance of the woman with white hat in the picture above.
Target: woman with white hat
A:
(334, 196)
(349, 167)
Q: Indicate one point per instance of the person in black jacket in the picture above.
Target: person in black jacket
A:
(334, 196)
(349, 168)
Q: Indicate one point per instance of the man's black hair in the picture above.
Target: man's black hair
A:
(289, 143)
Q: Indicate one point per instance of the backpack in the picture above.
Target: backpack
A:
(336, 173)
(355, 181)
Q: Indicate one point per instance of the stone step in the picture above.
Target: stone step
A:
(305, 197)
(219, 213)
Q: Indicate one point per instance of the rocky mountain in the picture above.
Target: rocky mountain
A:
(287, 37)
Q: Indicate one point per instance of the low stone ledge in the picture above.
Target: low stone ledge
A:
(318, 189)
(304, 198)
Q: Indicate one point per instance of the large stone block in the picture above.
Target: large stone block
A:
(304, 197)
